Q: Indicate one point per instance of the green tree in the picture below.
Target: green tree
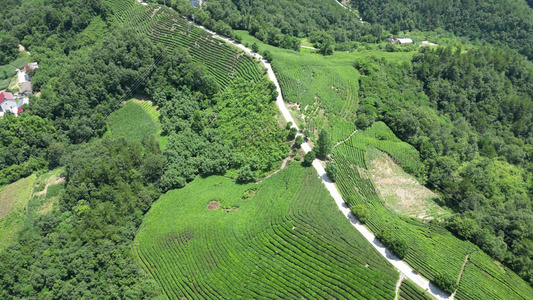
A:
(298, 141)
(255, 47)
(324, 145)
(308, 158)
(246, 175)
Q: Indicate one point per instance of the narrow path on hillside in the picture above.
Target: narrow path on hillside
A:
(403, 267)
(349, 137)
(461, 273)
(402, 278)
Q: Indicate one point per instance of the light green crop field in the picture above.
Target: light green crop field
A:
(136, 120)
(13, 201)
(281, 239)
(433, 250)
(328, 90)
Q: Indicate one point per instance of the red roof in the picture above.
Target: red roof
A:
(6, 96)
(19, 110)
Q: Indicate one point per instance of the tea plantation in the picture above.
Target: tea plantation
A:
(432, 250)
(281, 239)
(165, 26)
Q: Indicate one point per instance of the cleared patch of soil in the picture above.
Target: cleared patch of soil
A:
(213, 205)
(51, 180)
(401, 191)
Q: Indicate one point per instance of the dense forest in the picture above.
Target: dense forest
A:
(280, 22)
(469, 114)
(82, 249)
(492, 21)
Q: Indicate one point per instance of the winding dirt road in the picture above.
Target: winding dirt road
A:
(403, 267)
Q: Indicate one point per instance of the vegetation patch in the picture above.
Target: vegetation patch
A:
(13, 202)
(133, 122)
(16, 195)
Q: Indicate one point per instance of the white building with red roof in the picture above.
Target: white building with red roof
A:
(8, 103)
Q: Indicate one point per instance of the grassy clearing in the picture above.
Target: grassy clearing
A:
(134, 121)
(401, 191)
(433, 250)
(283, 238)
(13, 201)
(328, 90)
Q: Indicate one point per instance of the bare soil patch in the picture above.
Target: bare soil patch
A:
(213, 205)
(401, 191)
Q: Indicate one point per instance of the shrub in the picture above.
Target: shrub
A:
(445, 282)
(361, 212)
(246, 175)
(332, 170)
(297, 158)
(255, 47)
(298, 142)
(308, 158)
(292, 133)
(288, 125)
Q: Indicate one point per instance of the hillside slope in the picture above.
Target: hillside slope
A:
(283, 238)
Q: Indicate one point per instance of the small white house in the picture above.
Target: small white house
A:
(405, 41)
(426, 43)
(8, 103)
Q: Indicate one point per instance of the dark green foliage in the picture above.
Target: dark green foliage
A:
(78, 250)
(268, 55)
(298, 141)
(333, 171)
(292, 133)
(246, 175)
(507, 21)
(74, 103)
(8, 48)
(326, 48)
(288, 125)
(255, 48)
(324, 144)
(308, 158)
(281, 22)
(22, 139)
(396, 244)
(445, 282)
(361, 212)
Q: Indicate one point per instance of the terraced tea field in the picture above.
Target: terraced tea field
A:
(134, 122)
(281, 239)
(433, 250)
(325, 88)
(409, 291)
(165, 26)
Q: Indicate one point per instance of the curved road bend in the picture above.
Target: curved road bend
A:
(403, 267)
